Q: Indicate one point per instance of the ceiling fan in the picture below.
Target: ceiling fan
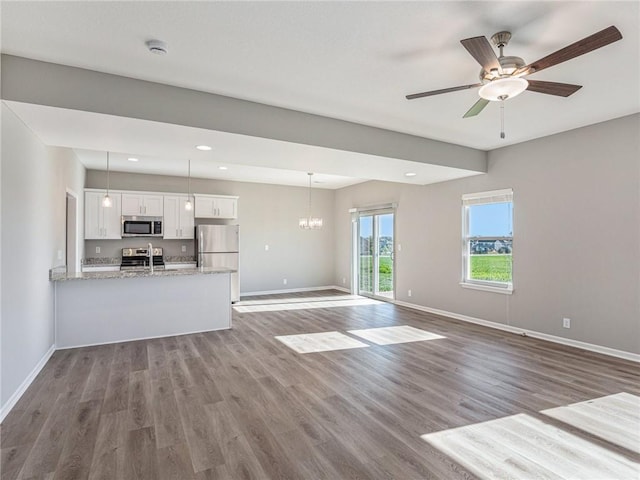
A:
(502, 77)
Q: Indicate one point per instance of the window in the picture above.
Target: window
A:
(488, 240)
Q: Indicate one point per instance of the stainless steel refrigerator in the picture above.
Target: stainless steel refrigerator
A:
(218, 246)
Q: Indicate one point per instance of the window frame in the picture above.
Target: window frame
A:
(483, 198)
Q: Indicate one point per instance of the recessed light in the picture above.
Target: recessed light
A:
(410, 174)
(223, 168)
(132, 159)
(204, 148)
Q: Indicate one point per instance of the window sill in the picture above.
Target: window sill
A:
(487, 288)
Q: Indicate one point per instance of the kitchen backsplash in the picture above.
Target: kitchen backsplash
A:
(112, 249)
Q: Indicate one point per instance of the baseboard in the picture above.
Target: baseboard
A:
(634, 357)
(6, 408)
(295, 290)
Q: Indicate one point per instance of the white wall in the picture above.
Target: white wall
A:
(34, 183)
(576, 236)
(267, 215)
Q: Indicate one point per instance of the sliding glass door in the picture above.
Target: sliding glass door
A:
(375, 254)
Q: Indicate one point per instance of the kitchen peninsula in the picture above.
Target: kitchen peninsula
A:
(107, 307)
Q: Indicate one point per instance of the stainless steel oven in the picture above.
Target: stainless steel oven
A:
(137, 226)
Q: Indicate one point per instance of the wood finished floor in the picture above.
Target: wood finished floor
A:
(239, 404)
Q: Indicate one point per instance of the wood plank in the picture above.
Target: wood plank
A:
(166, 418)
(75, 461)
(199, 431)
(140, 406)
(109, 453)
(141, 461)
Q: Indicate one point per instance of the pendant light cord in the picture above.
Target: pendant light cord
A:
(189, 182)
(107, 173)
(501, 118)
(309, 209)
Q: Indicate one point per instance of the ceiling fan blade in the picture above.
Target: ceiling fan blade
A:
(477, 108)
(586, 45)
(444, 90)
(481, 50)
(553, 88)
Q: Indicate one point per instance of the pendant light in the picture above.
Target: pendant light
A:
(189, 206)
(106, 201)
(309, 222)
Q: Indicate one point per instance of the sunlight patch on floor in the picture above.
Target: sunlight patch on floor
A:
(284, 304)
(614, 418)
(320, 342)
(393, 335)
(523, 447)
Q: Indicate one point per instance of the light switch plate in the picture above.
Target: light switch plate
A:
(184, 248)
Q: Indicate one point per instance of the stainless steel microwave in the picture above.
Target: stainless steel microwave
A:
(137, 226)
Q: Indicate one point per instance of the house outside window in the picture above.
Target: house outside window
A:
(487, 241)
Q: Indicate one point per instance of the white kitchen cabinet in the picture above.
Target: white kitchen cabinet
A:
(178, 221)
(216, 206)
(142, 204)
(102, 223)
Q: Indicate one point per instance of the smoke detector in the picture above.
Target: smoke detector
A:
(158, 47)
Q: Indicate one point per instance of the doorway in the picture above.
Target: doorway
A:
(375, 256)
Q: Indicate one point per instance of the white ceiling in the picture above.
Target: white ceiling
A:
(348, 60)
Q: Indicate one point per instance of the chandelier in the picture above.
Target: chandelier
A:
(309, 222)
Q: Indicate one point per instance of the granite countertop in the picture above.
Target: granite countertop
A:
(116, 261)
(61, 277)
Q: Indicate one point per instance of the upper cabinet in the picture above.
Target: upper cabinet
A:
(142, 204)
(101, 223)
(178, 221)
(216, 206)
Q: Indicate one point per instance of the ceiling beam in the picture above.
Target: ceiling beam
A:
(42, 83)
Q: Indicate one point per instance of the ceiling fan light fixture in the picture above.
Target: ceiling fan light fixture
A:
(503, 87)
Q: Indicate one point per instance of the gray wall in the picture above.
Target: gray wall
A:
(267, 215)
(578, 192)
(34, 182)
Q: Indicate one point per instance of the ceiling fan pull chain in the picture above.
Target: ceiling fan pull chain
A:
(502, 118)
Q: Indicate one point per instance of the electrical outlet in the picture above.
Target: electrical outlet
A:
(344, 280)
(59, 254)
(284, 281)
(409, 293)
(566, 322)
(266, 248)
(184, 248)
(97, 249)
